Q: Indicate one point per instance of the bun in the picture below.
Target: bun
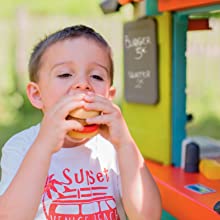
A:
(78, 135)
(80, 115)
(83, 114)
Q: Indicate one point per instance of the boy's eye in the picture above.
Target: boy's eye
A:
(97, 77)
(64, 75)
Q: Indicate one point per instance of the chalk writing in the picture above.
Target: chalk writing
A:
(139, 77)
(139, 44)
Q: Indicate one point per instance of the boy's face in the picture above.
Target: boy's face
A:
(75, 65)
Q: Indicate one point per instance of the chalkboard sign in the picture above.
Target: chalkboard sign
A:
(140, 61)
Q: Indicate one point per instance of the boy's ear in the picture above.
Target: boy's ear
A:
(112, 92)
(33, 93)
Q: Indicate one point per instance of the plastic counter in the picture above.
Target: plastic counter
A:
(183, 203)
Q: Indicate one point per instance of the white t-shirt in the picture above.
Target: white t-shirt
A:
(83, 182)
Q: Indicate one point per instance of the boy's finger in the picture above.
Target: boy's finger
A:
(104, 119)
(105, 107)
(69, 106)
(73, 125)
(64, 105)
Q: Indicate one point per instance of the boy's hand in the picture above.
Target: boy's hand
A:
(112, 124)
(54, 125)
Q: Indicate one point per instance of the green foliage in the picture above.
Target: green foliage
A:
(86, 7)
(22, 119)
(18, 116)
(208, 125)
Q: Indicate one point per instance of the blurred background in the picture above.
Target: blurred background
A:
(24, 22)
(203, 79)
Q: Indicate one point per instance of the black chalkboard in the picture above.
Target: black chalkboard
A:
(140, 61)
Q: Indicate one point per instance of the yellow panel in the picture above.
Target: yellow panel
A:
(150, 125)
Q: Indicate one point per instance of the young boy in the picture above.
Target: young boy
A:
(46, 174)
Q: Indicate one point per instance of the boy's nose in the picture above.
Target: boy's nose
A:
(82, 84)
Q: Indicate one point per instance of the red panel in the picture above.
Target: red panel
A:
(173, 5)
(123, 2)
(181, 202)
(198, 24)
